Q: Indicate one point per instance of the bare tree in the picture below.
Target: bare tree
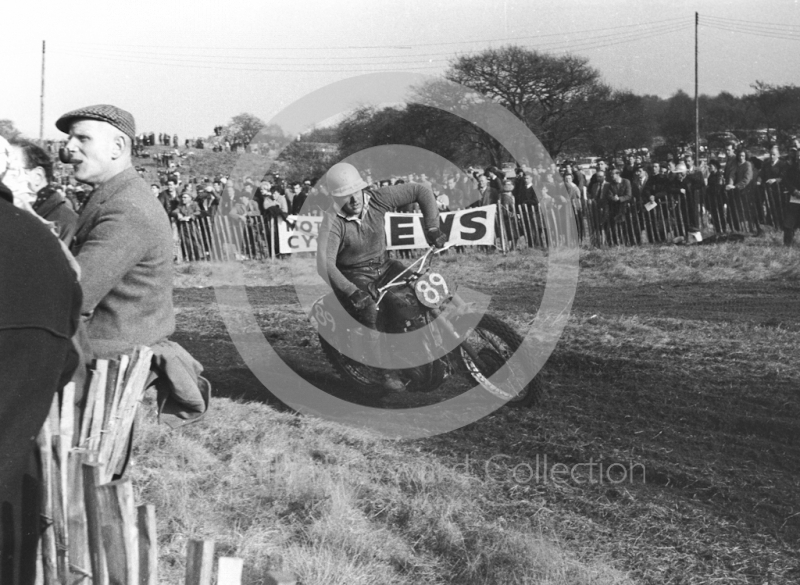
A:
(560, 98)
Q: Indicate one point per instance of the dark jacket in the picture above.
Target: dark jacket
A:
(57, 209)
(527, 195)
(772, 171)
(617, 209)
(641, 190)
(38, 317)
(743, 177)
(297, 203)
(345, 242)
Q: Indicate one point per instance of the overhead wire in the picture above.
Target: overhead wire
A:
(751, 32)
(751, 29)
(221, 61)
(754, 22)
(196, 65)
(544, 46)
(590, 46)
(351, 47)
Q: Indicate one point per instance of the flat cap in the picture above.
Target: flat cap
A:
(117, 117)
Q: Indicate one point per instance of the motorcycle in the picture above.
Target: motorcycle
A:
(482, 343)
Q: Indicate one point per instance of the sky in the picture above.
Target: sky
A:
(184, 67)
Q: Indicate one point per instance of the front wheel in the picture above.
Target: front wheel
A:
(495, 342)
(366, 377)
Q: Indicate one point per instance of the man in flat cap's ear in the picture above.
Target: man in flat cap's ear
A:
(123, 244)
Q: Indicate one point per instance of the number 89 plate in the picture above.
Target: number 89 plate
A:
(432, 290)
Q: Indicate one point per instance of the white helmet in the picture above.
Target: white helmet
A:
(342, 180)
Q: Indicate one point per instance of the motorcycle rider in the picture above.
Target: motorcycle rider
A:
(352, 254)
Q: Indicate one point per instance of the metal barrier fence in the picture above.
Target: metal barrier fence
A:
(591, 223)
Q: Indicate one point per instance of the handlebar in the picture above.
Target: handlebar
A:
(396, 281)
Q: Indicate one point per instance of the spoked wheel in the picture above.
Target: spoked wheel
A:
(366, 377)
(495, 342)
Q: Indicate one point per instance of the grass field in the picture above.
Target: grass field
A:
(678, 364)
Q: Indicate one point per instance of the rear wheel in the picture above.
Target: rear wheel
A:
(495, 342)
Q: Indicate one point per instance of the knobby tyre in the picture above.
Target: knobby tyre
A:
(495, 342)
(366, 377)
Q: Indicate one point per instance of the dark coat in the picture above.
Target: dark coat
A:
(58, 210)
(167, 202)
(123, 244)
(617, 209)
(38, 316)
(527, 195)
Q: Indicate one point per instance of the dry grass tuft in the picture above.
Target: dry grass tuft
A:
(334, 505)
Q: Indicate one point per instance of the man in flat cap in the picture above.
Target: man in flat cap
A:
(123, 244)
(123, 240)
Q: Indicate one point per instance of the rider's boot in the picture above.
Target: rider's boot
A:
(372, 345)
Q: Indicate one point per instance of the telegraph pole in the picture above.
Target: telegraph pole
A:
(41, 103)
(696, 96)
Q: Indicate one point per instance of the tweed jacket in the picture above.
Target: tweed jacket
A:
(123, 244)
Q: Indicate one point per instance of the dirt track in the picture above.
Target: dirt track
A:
(717, 431)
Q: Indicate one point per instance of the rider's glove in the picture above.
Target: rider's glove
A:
(360, 301)
(436, 237)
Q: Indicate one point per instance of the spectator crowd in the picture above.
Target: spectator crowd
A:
(614, 202)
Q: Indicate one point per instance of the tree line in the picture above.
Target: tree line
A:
(564, 101)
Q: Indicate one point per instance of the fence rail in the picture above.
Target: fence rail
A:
(587, 222)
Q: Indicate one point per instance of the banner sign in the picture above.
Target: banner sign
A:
(303, 238)
(467, 227)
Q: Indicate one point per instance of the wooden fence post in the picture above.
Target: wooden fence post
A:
(76, 519)
(120, 538)
(91, 481)
(58, 483)
(44, 441)
(148, 545)
(199, 561)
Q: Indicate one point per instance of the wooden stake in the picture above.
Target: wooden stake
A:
(58, 482)
(48, 541)
(120, 538)
(129, 401)
(91, 481)
(111, 384)
(88, 409)
(199, 560)
(148, 545)
(67, 423)
(98, 410)
(76, 519)
(110, 423)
